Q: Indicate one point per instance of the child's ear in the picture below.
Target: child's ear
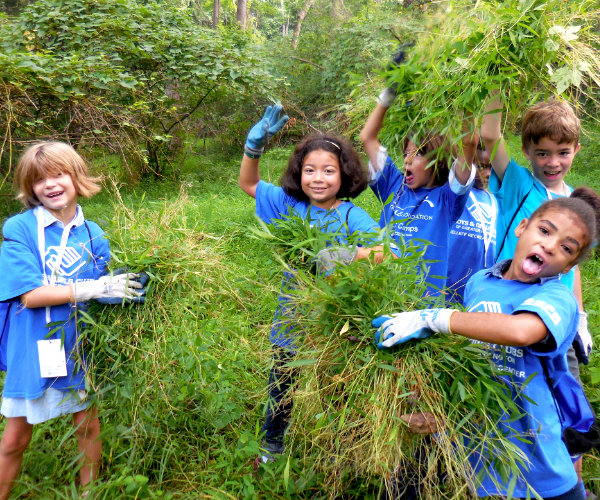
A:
(521, 227)
(569, 267)
(577, 148)
(525, 152)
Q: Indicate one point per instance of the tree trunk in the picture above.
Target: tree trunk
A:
(338, 9)
(301, 15)
(216, 13)
(242, 13)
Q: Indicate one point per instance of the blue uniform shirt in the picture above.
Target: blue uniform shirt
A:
(272, 204)
(86, 256)
(551, 471)
(518, 184)
(472, 244)
(424, 214)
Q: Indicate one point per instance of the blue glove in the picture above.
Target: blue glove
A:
(142, 278)
(271, 123)
(402, 327)
(387, 96)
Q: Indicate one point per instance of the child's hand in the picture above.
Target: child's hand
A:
(402, 327)
(271, 123)
(329, 258)
(387, 96)
(583, 342)
(121, 286)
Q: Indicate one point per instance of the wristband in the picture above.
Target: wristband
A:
(253, 153)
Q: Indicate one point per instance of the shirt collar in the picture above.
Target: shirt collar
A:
(500, 267)
(49, 219)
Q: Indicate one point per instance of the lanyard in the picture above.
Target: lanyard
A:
(39, 214)
(479, 214)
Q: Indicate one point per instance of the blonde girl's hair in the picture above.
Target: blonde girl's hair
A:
(50, 158)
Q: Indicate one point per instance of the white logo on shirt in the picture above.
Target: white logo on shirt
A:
(487, 306)
(71, 263)
(547, 308)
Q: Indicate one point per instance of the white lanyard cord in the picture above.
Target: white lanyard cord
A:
(39, 213)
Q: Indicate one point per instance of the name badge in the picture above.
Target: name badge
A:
(52, 358)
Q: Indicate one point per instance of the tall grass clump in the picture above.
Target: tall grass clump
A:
(155, 369)
(356, 408)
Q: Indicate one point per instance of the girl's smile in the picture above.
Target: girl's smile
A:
(58, 195)
(548, 245)
(321, 178)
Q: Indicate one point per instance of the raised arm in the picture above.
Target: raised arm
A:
(369, 133)
(466, 157)
(491, 134)
(271, 123)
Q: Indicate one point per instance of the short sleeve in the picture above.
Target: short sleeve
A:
(272, 203)
(20, 265)
(389, 179)
(516, 183)
(557, 308)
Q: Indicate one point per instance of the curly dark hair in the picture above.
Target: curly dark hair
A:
(436, 149)
(354, 176)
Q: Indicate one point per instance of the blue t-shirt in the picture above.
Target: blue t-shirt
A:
(272, 204)
(551, 471)
(518, 184)
(424, 214)
(472, 244)
(85, 258)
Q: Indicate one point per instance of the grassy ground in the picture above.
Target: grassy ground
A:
(181, 380)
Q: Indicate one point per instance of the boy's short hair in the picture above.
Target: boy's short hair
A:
(50, 158)
(554, 119)
(353, 174)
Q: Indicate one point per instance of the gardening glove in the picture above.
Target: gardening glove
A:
(271, 123)
(387, 96)
(143, 278)
(402, 327)
(583, 340)
(119, 287)
(329, 258)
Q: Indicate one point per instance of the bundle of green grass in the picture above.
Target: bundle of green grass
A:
(527, 50)
(363, 414)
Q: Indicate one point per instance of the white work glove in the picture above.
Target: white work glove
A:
(583, 342)
(387, 96)
(329, 258)
(402, 327)
(123, 286)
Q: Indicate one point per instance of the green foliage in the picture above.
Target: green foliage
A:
(526, 49)
(121, 74)
(320, 81)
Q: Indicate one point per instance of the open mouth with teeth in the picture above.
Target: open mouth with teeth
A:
(54, 195)
(532, 264)
(408, 176)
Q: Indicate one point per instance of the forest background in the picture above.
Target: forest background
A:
(159, 96)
